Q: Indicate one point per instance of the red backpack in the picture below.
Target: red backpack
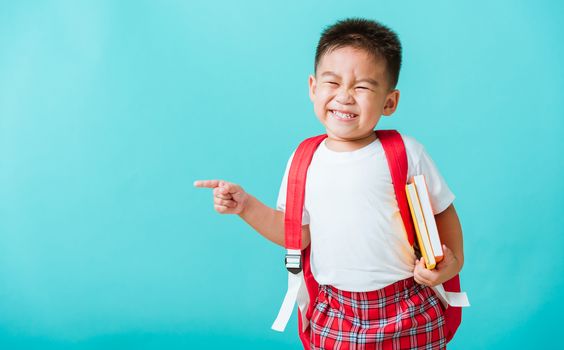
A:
(295, 263)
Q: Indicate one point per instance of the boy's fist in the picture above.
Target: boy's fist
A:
(228, 198)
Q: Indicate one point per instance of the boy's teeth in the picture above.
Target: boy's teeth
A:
(343, 115)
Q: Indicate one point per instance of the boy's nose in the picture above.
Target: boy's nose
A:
(344, 97)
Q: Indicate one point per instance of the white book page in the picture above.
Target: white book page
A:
(412, 193)
(425, 201)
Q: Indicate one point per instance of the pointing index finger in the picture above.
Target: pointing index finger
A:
(206, 183)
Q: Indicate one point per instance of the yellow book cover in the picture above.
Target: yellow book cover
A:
(430, 223)
(420, 227)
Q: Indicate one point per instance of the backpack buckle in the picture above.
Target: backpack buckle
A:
(293, 261)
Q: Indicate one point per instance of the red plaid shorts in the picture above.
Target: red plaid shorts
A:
(403, 315)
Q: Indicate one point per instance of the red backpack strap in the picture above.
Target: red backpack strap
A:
(295, 195)
(295, 199)
(453, 314)
(397, 162)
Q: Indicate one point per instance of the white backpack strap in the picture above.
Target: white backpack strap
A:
(297, 292)
(459, 299)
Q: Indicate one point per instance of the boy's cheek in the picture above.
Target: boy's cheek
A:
(323, 93)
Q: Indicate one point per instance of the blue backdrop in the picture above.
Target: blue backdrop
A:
(109, 110)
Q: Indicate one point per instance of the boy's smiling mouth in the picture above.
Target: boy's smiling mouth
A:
(339, 115)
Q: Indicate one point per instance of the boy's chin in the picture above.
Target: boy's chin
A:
(348, 137)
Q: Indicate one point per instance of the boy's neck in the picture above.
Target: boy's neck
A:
(341, 145)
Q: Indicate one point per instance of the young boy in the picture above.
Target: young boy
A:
(370, 280)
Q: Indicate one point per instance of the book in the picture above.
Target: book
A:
(425, 201)
(424, 221)
(420, 227)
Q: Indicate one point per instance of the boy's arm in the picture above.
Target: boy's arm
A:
(269, 222)
(230, 198)
(450, 232)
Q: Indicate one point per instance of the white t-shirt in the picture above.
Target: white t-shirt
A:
(358, 241)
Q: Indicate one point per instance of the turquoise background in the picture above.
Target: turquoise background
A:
(110, 110)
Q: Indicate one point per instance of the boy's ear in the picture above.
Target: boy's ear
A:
(392, 100)
(312, 86)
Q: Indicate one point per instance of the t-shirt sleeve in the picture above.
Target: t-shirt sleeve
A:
(420, 163)
(281, 202)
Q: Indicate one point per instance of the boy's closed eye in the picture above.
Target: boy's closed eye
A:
(365, 88)
(335, 84)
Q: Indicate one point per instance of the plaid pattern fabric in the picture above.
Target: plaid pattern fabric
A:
(403, 315)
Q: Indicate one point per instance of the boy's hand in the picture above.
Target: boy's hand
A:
(228, 198)
(445, 270)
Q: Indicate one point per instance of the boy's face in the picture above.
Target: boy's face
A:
(350, 92)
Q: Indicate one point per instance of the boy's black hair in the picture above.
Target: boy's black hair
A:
(371, 36)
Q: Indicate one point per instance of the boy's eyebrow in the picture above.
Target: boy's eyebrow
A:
(329, 73)
(369, 81)
(365, 80)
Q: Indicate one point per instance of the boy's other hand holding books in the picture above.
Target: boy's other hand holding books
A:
(445, 270)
